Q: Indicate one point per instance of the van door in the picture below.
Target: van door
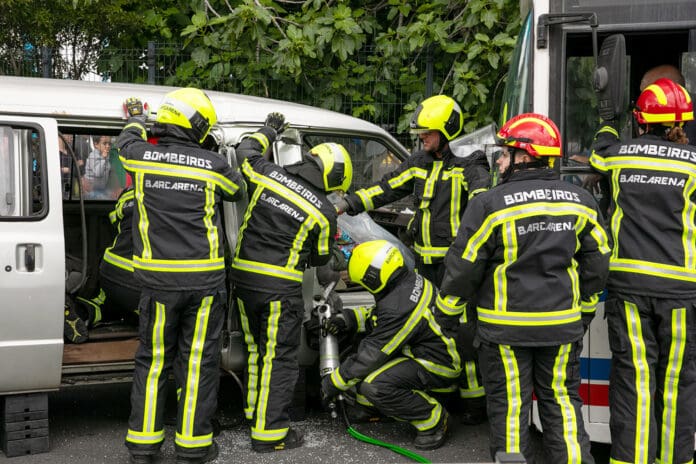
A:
(32, 255)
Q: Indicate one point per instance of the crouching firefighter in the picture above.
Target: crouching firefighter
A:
(405, 353)
(289, 225)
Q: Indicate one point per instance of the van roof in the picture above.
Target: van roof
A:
(70, 100)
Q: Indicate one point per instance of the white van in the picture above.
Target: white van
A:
(43, 218)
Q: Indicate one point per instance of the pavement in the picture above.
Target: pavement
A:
(88, 426)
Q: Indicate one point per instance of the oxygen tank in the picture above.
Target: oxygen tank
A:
(328, 344)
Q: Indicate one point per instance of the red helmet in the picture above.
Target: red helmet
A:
(663, 101)
(534, 133)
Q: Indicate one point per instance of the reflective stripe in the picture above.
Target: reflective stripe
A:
(143, 221)
(211, 231)
(500, 296)
(458, 184)
(156, 366)
(188, 172)
(565, 316)
(689, 212)
(252, 363)
(642, 382)
(473, 193)
(412, 320)
(671, 387)
(367, 194)
(262, 139)
(407, 176)
(362, 314)
(430, 251)
(451, 305)
(362, 400)
(178, 265)
(338, 381)
(193, 442)
(474, 389)
(569, 421)
(617, 163)
(258, 430)
(118, 261)
(193, 372)
(513, 419)
(590, 307)
(481, 236)
(435, 413)
(137, 125)
(268, 435)
(428, 193)
(267, 269)
(145, 438)
(654, 269)
(374, 374)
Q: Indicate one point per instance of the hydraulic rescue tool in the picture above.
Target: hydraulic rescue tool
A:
(329, 360)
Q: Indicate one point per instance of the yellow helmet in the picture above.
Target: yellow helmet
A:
(190, 109)
(373, 263)
(335, 165)
(438, 113)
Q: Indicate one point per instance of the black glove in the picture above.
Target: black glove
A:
(338, 259)
(326, 274)
(276, 121)
(336, 324)
(134, 108)
(328, 389)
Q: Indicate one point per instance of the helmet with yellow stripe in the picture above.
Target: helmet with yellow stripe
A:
(373, 263)
(664, 102)
(335, 165)
(534, 133)
(190, 109)
(439, 113)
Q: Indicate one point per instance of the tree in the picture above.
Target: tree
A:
(359, 57)
(75, 32)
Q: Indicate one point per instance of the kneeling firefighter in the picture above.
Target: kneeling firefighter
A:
(405, 353)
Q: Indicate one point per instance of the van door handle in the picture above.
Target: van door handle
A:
(30, 257)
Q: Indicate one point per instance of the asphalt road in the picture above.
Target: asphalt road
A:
(88, 425)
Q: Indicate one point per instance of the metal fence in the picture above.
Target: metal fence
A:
(157, 65)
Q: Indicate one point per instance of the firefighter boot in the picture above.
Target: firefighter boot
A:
(74, 328)
(433, 438)
(293, 439)
(211, 455)
(474, 411)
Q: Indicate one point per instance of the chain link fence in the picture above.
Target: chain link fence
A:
(157, 65)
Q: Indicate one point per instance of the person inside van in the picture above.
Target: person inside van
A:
(97, 168)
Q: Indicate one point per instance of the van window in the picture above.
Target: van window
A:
(102, 174)
(22, 182)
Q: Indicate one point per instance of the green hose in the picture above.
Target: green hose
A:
(373, 441)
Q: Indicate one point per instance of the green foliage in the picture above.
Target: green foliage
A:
(367, 58)
(350, 56)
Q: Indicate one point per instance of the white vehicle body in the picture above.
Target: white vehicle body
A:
(40, 217)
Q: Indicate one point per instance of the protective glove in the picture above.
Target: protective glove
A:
(276, 121)
(338, 259)
(133, 107)
(339, 322)
(328, 389)
(326, 274)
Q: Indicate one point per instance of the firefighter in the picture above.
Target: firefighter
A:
(119, 292)
(178, 258)
(652, 280)
(405, 354)
(289, 225)
(534, 253)
(441, 184)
